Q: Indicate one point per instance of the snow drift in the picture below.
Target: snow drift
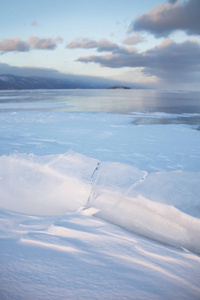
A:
(162, 206)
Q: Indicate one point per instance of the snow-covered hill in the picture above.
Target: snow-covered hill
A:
(8, 81)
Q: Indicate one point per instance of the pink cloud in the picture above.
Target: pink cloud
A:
(14, 44)
(132, 40)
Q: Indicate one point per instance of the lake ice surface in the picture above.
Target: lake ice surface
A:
(71, 161)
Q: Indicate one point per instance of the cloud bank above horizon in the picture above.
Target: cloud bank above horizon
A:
(148, 50)
(170, 61)
(166, 61)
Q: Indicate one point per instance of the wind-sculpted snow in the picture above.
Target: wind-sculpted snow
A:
(162, 206)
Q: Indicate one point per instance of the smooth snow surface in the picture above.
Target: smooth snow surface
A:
(81, 257)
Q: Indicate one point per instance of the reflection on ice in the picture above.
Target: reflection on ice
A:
(162, 206)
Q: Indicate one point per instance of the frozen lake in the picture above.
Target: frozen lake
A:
(93, 181)
(105, 124)
(110, 101)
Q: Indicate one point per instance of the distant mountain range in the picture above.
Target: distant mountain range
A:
(8, 81)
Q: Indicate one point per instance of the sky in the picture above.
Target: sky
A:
(151, 42)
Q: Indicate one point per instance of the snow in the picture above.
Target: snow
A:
(94, 206)
(4, 78)
(102, 136)
(81, 257)
(59, 244)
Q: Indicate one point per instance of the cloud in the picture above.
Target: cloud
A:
(135, 39)
(34, 23)
(169, 17)
(175, 62)
(105, 45)
(172, 1)
(85, 43)
(123, 57)
(17, 45)
(170, 61)
(30, 71)
(70, 80)
(14, 44)
(44, 43)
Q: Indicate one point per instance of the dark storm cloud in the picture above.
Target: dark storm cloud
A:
(168, 61)
(169, 17)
